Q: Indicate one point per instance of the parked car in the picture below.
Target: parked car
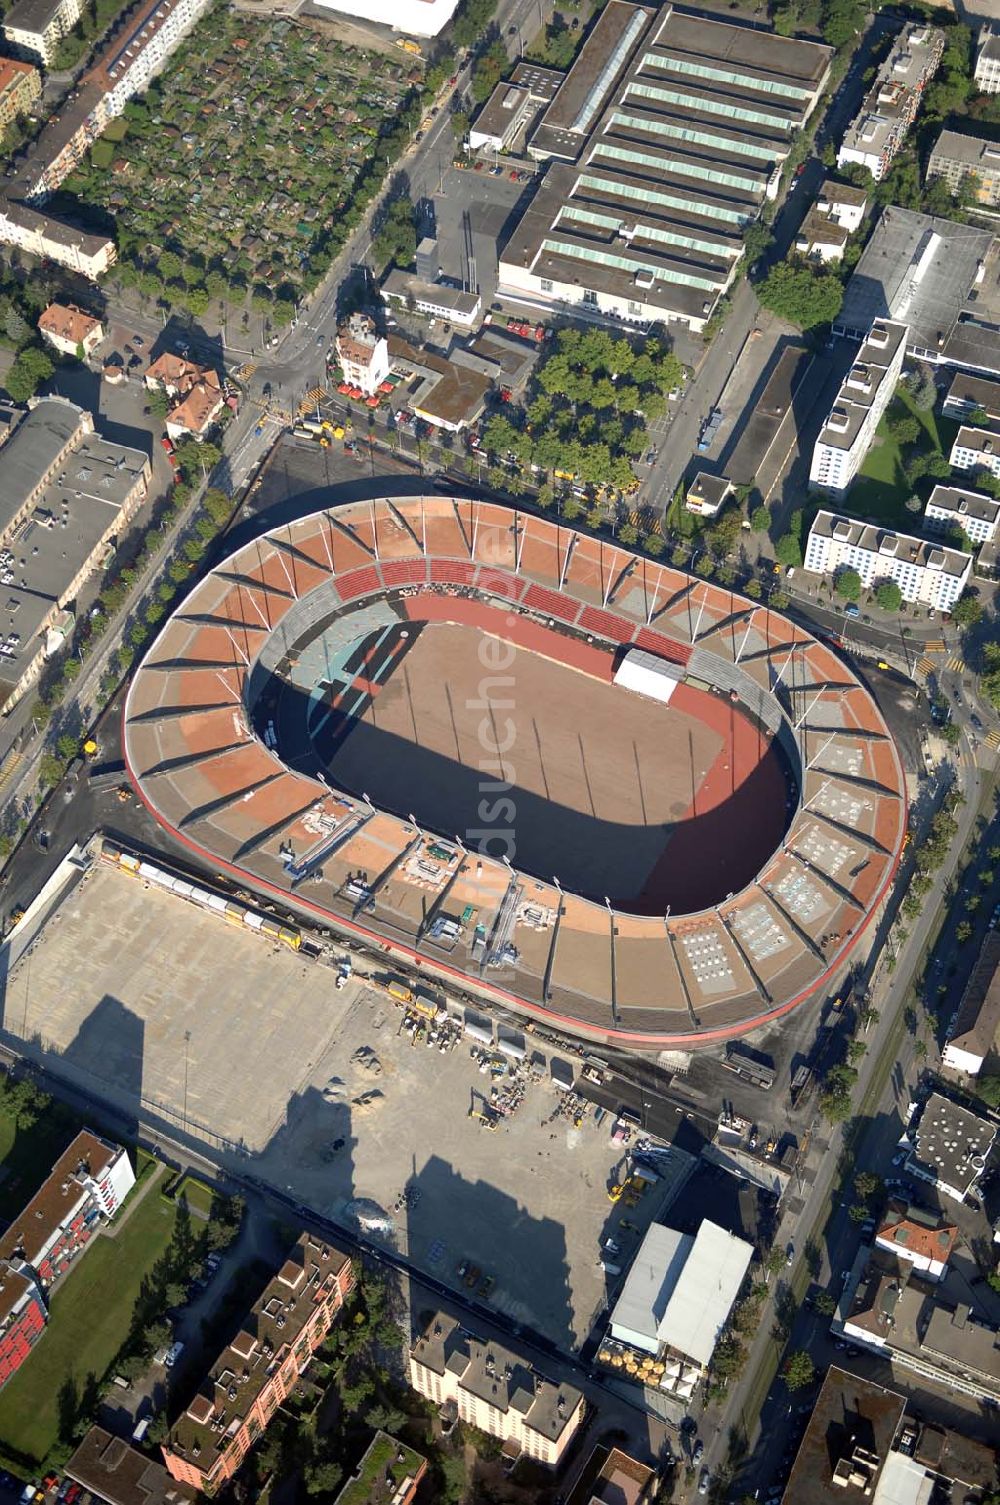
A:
(851, 610)
(704, 1482)
(699, 1451)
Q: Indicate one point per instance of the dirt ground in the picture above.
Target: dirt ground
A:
(598, 776)
(150, 1003)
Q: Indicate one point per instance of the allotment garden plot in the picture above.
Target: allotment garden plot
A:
(246, 152)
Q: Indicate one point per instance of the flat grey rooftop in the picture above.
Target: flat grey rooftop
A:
(925, 272)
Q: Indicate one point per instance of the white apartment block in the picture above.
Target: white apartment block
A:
(127, 67)
(977, 449)
(363, 353)
(865, 393)
(34, 28)
(495, 1390)
(951, 507)
(925, 572)
(987, 69)
(889, 107)
(42, 236)
(844, 203)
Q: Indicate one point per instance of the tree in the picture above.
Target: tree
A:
(788, 551)
(866, 1183)
(776, 1261)
(396, 238)
(801, 295)
(798, 1370)
(760, 519)
(825, 1303)
(967, 612)
(29, 370)
(322, 1478)
(988, 1088)
(856, 1051)
(848, 585)
(963, 932)
(889, 596)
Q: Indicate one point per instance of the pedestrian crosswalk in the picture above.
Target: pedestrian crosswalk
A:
(935, 645)
(925, 667)
(243, 373)
(11, 764)
(992, 740)
(313, 396)
(956, 664)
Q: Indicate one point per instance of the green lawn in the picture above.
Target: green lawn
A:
(882, 490)
(90, 1318)
(196, 1194)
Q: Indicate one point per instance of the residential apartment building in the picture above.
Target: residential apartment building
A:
(23, 1315)
(87, 1185)
(935, 576)
(68, 329)
(389, 1473)
(968, 394)
(133, 55)
(977, 447)
(864, 395)
(47, 238)
(113, 1473)
(921, 1238)
(613, 1477)
(495, 1390)
(663, 142)
(950, 1148)
(20, 86)
(196, 392)
(974, 1034)
(250, 1379)
(65, 492)
(950, 507)
(987, 70)
(889, 108)
(920, 1325)
(837, 213)
(363, 353)
(957, 155)
(34, 28)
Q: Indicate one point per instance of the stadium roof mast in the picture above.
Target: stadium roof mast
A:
(739, 653)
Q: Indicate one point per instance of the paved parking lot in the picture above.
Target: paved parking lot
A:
(134, 994)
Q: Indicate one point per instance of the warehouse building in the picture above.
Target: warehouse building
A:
(675, 1304)
(260, 1367)
(513, 107)
(864, 395)
(957, 155)
(664, 140)
(937, 277)
(489, 1387)
(890, 106)
(66, 492)
(933, 575)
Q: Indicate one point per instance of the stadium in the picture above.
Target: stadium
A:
(531, 765)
